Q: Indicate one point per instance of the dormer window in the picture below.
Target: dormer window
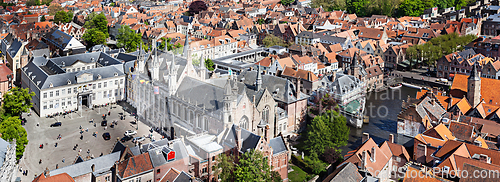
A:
(51, 85)
(99, 76)
(69, 82)
(116, 74)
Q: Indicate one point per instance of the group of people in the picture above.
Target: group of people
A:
(25, 172)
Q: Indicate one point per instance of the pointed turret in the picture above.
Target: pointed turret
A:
(258, 81)
(186, 46)
(474, 87)
(228, 100)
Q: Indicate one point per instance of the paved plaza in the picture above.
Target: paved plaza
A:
(70, 133)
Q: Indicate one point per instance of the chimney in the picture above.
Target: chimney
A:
(238, 137)
(298, 88)
(365, 137)
(391, 138)
(93, 167)
(364, 159)
(267, 134)
(373, 159)
(432, 101)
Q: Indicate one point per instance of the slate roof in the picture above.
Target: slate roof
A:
(183, 177)
(104, 162)
(250, 140)
(347, 172)
(207, 95)
(14, 47)
(3, 149)
(49, 71)
(278, 145)
(345, 83)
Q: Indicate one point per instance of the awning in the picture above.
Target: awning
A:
(452, 75)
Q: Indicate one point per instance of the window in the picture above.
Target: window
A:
(69, 90)
(51, 105)
(116, 92)
(51, 94)
(69, 101)
(107, 178)
(99, 85)
(75, 90)
(121, 81)
(158, 171)
(44, 105)
(205, 124)
(45, 95)
(104, 94)
(93, 96)
(105, 84)
(63, 102)
(63, 91)
(57, 93)
(116, 82)
(265, 114)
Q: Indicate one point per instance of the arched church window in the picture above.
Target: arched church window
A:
(205, 124)
(199, 125)
(265, 114)
(186, 115)
(244, 122)
(191, 118)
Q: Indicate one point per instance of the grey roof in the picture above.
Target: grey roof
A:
(101, 163)
(180, 150)
(332, 38)
(58, 38)
(346, 172)
(15, 47)
(345, 83)
(119, 147)
(3, 149)
(278, 145)
(250, 140)
(157, 156)
(182, 177)
(135, 150)
(49, 71)
(466, 53)
(206, 95)
(126, 57)
(494, 8)
(286, 89)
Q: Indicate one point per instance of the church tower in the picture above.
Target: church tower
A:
(228, 104)
(474, 87)
(258, 81)
(140, 60)
(172, 76)
(355, 69)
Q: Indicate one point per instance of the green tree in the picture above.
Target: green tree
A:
(261, 21)
(42, 18)
(17, 101)
(99, 22)
(286, 2)
(272, 40)
(209, 64)
(359, 7)
(225, 167)
(11, 129)
(128, 39)
(251, 166)
(94, 37)
(60, 16)
(328, 130)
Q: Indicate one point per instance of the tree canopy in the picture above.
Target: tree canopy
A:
(251, 166)
(128, 39)
(286, 2)
(438, 47)
(197, 6)
(209, 64)
(97, 29)
(272, 40)
(11, 129)
(63, 16)
(17, 101)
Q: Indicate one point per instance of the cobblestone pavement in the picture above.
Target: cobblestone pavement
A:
(70, 133)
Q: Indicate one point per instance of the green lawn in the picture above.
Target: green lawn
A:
(298, 175)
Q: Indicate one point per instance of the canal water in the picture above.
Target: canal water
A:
(382, 108)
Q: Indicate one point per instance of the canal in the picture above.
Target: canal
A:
(382, 108)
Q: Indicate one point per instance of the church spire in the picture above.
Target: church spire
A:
(475, 74)
(258, 81)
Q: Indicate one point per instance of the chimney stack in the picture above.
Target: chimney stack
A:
(238, 137)
(364, 160)
(267, 134)
(298, 88)
(365, 137)
(373, 159)
(93, 167)
(391, 138)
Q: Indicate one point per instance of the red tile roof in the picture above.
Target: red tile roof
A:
(134, 165)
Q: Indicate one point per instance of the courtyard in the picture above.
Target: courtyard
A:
(52, 155)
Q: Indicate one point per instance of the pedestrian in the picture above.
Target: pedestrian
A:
(88, 151)
(64, 159)
(57, 166)
(56, 144)
(81, 137)
(37, 124)
(105, 127)
(80, 150)
(26, 172)
(94, 125)
(87, 130)
(39, 162)
(101, 154)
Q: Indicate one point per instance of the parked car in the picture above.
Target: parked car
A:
(126, 138)
(104, 123)
(443, 80)
(56, 124)
(138, 139)
(106, 136)
(130, 132)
